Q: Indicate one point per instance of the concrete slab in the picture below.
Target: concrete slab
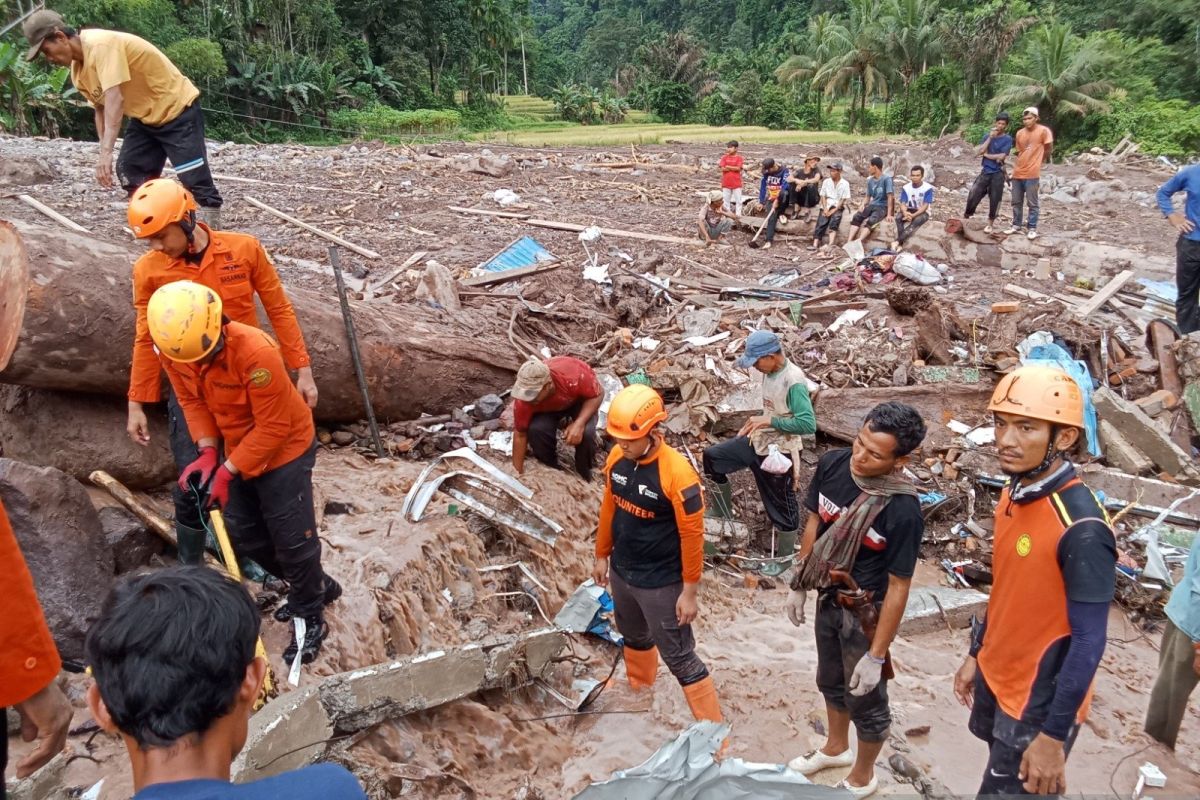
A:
(922, 614)
(1118, 452)
(1144, 434)
(266, 754)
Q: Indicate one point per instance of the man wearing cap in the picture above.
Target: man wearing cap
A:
(774, 195)
(835, 195)
(1034, 144)
(121, 75)
(714, 220)
(787, 416)
(547, 395)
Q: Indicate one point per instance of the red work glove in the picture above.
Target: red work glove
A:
(201, 469)
(218, 493)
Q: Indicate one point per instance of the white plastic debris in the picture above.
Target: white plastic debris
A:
(301, 631)
(961, 428)
(647, 343)
(982, 436)
(506, 197)
(776, 462)
(590, 234)
(501, 441)
(597, 274)
(701, 341)
(848, 317)
(917, 269)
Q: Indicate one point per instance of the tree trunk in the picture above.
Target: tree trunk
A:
(524, 66)
(68, 324)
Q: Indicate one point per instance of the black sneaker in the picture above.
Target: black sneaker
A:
(314, 633)
(333, 590)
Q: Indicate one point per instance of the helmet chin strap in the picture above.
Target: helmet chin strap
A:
(188, 226)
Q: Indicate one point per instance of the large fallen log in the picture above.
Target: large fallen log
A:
(66, 323)
(79, 433)
(840, 412)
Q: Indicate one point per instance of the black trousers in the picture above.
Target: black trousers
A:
(184, 450)
(543, 439)
(1007, 739)
(829, 224)
(786, 198)
(271, 520)
(991, 186)
(1187, 283)
(807, 196)
(905, 230)
(777, 491)
(146, 148)
(841, 644)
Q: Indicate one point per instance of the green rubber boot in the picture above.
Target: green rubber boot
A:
(785, 546)
(721, 506)
(190, 544)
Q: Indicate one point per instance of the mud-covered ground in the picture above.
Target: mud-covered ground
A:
(411, 588)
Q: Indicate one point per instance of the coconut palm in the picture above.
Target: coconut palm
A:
(825, 38)
(912, 37)
(859, 70)
(1063, 76)
(981, 39)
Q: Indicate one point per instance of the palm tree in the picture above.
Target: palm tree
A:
(912, 36)
(980, 40)
(825, 38)
(859, 70)
(1063, 79)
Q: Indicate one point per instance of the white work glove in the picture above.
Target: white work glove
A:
(795, 606)
(866, 675)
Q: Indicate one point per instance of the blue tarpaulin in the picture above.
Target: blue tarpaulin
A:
(524, 252)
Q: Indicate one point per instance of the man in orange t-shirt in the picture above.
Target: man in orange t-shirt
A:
(1034, 144)
(234, 390)
(731, 165)
(29, 663)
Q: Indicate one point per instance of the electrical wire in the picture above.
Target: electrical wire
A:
(1113, 775)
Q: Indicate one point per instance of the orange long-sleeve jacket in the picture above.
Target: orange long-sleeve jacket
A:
(28, 658)
(236, 267)
(652, 519)
(244, 396)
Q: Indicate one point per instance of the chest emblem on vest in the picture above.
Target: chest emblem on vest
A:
(646, 491)
(1024, 545)
(260, 377)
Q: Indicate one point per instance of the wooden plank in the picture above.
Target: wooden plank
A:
(37, 205)
(362, 251)
(510, 274)
(415, 258)
(840, 412)
(1031, 294)
(483, 212)
(1101, 297)
(614, 232)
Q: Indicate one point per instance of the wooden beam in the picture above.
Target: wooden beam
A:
(1101, 297)
(412, 260)
(483, 212)
(1031, 294)
(614, 232)
(37, 205)
(509, 274)
(362, 251)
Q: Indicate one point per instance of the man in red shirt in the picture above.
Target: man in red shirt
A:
(548, 394)
(731, 178)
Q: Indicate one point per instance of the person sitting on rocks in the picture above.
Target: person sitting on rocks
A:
(806, 183)
(714, 220)
(835, 194)
(917, 198)
(176, 677)
(879, 204)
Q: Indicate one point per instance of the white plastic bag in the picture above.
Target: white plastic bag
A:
(776, 462)
(915, 268)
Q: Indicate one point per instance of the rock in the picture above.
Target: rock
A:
(439, 287)
(1096, 192)
(1119, 453)
(132, 543)
(486, 165)
(903, 768)
(58, 532)
(490, 406)
(1063, 196)
(25, 172)
(1145, 435)
(342, 438)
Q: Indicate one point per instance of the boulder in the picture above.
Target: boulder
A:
(63, 542)
(131, 542)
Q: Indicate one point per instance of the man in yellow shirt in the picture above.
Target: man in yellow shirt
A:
(123, 75)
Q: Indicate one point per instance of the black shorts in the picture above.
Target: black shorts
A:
(869, 216)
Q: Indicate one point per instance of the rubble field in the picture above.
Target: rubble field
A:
(641, 301)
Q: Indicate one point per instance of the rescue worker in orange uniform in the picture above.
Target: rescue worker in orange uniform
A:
(233, 387)
(1028, 676)
(650, 549)
(29, 664)
(235, 265)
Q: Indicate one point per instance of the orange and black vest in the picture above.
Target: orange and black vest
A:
(1028, 632)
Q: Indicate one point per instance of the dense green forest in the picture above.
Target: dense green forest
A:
(316, 69)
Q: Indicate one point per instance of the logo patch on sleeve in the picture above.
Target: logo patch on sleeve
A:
(692, 500)
(260, 377)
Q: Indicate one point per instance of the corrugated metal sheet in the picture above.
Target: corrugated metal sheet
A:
(524, 252)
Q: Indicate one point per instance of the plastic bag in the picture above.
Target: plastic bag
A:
(915, 268)
(776, 462)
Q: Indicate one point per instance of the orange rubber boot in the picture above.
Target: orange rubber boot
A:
(702, 700)
(641, 667)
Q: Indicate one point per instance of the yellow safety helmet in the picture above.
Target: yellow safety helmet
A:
(1040, 392)
(184, 320)
(634, 412)
(156, 204)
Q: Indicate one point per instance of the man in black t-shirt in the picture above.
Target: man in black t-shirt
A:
(849, 666)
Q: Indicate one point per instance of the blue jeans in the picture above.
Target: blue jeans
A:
(1025, 189)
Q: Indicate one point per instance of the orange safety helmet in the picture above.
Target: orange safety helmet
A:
(634, 412)
(1039, 392)
(156, 204)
